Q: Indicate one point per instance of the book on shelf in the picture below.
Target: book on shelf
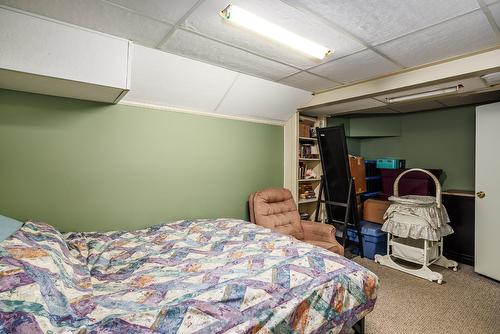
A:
(305, 150)
(302, 170)
(306, 191)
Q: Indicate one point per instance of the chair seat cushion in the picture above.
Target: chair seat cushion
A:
(332, 247)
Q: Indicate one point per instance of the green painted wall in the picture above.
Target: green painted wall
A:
(441, 138)
(83, 166)
(353, 144)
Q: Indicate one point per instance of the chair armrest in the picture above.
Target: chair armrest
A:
(318, 231)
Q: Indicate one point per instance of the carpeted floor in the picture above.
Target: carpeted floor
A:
(465, 303)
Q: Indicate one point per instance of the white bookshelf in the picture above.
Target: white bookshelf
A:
(311, 161)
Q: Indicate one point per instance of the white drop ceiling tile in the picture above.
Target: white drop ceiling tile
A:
(345, 107)
(169, 11)
(206, 20)
(255, 97)
(360, 66)
(164, 79)
(486, 97)
(377, 110)
(309, 82)
(97, 15)
(416, 106)
(198, 47)
(377, 21)
(495, 11)
(465, 34)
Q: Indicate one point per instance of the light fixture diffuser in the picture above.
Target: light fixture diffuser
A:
(430, 93)
(268, 29)
(491, 79)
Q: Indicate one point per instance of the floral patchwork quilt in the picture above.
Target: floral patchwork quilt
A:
(189, 276)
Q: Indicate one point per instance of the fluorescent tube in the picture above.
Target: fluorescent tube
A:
(429, 93)
(256, 24)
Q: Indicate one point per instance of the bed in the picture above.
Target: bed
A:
(189, 276)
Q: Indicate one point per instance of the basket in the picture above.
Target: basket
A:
(417, 217)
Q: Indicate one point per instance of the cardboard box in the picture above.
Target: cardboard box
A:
(304, 130)
(374, 209)
(357, 167)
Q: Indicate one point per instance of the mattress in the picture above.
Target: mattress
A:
(189, 276)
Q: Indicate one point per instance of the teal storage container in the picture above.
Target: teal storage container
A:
(390, 163)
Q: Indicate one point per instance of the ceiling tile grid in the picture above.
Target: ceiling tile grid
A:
(200, 48)
(370, 37)
(377, 21)
(308, 81)
(169, 11)
(468, 33)
(360, 66)
(98, 15)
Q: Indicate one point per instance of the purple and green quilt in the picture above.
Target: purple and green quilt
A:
(190, 276)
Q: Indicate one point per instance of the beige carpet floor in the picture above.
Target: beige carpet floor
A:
(465, 303)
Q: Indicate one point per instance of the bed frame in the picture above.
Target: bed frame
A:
(359, 327)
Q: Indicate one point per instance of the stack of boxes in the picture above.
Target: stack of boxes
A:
(371, 209)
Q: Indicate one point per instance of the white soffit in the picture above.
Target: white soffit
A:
(360, 66)
(170, 11)
(194, 46)
(39, 46)
(98, 15)
(378, 21)
(254, 97)
(309, 82)
(465, 34)
(470, 66)
(164, 79)
(205, 20)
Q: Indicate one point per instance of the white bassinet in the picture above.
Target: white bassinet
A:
(415, 227)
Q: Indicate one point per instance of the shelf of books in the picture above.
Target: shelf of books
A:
(309, 166)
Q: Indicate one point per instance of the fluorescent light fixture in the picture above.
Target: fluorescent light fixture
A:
(430, 93)
(491, 79)
(256, 24)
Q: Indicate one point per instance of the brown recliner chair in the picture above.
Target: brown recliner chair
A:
(275, 209)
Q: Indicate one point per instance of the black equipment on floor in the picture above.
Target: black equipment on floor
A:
(337, 190)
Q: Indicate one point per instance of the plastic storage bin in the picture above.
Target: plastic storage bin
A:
(390, 163)
(374, 239)
(371, 168)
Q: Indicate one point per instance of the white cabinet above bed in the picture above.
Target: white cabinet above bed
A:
(43, 56)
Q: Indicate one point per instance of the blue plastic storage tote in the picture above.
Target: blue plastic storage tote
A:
(374, 239)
